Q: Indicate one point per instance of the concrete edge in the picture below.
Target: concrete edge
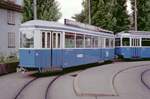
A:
(80, 93)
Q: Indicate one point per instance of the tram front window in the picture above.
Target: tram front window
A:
(126, 42)
(26, 40)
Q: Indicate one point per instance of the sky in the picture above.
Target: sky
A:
(129, 8)
(68, 8)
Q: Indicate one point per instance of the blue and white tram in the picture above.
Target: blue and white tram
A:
(46, 44)
(133, 44)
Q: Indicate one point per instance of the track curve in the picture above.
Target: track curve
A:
(142, 78)
(21, 90)
(49, 85)
(121, 71)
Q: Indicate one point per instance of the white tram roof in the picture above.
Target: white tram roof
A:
(55, 25)
(133, 34)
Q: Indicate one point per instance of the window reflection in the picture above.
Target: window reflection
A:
(26, 40)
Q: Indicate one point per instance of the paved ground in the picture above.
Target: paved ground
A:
(115, 81)
(122, 80)
(37, 89)
(11, 83)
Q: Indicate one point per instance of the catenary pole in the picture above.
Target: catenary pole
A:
(89, 6)
(135, 15)
(35, 9)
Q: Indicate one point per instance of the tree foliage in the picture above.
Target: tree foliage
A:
(143, 14)
(108, 14)
(46, 10)
(82, 17)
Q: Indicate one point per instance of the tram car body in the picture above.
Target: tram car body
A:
(45, 44)
(133, 44)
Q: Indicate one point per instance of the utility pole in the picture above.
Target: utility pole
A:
(89, 6)
(135, 15)
(35, 9)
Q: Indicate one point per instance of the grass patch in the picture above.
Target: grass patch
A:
(69, 70)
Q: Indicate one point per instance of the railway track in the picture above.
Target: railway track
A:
(49, 85)
(25, 86)
(142, 79)
(31, 81)
(123, 70)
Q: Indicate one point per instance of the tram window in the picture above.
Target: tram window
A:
(92, 41)
(48, 40)
(69, 40)
(112, 43)
(132, 42)
(43, 39)
(145, 41)
(117, 42)
(88, 41)
(79, 41)
(54, 40)
(103, 42)
(27, 40)
(137, 42)
(107, 43)
(100, 42)
(58, 40)
(95, 41)
(126, 42)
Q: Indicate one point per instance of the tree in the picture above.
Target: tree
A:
(82, 17)
(107, 14)
(143, 14)
(46, 10)
(102, 13)
(120, 13)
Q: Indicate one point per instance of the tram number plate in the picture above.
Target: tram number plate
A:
(79, 55)
(107, 54)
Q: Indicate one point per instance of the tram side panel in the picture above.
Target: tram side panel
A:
(145, 52)
(108, 54)
(43, 58)
(27, 58)
(91, 55)
(123, 51)
(57, 58)
(75, 57)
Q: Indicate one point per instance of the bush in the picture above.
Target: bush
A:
(8, 64)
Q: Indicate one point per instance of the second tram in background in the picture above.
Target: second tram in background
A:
(133, 44)
(46, 44)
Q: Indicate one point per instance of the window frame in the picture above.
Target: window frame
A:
(74, 39)
(125, 44)
(117, 42)
(83, 41)
(88, 44)
(142, 42)
(11, 17)
(11, 40)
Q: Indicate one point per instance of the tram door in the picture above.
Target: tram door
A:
(101, 45)
(56, 53)
(135, 51)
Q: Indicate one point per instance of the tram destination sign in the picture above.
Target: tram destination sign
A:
(84, 26)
